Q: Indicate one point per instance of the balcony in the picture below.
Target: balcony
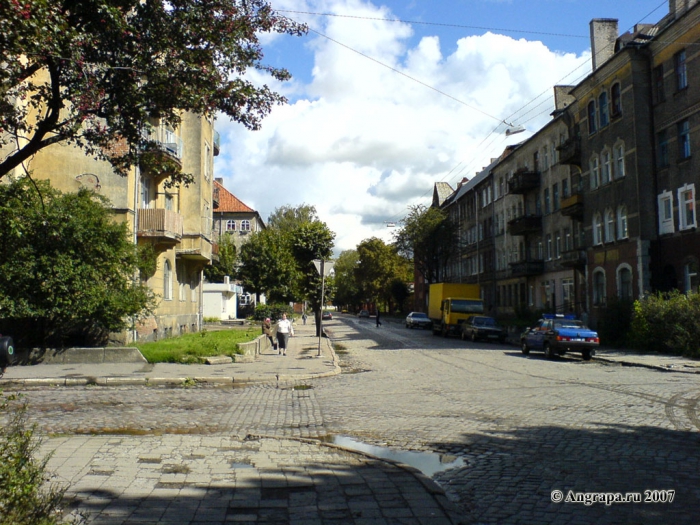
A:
(523, 181)
(570, 151)
(526, 268)
(575, 258)
(195, 247)
(217, 143)
(525, 224)
(165, 141)
(163, 226)
(573, 206)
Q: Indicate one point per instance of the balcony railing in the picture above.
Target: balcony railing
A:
(575, 258)
(526, 268)
(573, 206)
(570, 151)
(525, 224)
(162, 225)
(524, 180)
(166, 140)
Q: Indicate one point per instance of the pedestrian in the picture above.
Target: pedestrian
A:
(379, 323)
(303, 317)
(267, 330)
(285, 330)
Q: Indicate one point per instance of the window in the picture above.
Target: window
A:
(567, 291)
(659, 95)
(598, 287)
(557, 245)
(230, 225)
(194, 284)
(540, 250)
(169, 201)
(624, 283)
(245, 225)
(595, 173)
(616, 100)
(565, 188)
(684, 139)
(545, 158)
(553, 149)
(597, 229)
(549, 246)
(145, 194)
(567, 240)
(603, 109)
(690, 277)
(680, 69)
(686, 207)
(555, 196)
(591, 117)
(662, 147)
(665, 201)
(609, 226)
(547, 203)
(622, 232)
(605, 174)
(182, 288)
(167, 281)
(619, 152)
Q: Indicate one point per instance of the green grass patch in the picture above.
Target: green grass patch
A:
(193, 348)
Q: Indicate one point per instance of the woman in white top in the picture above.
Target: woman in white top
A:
(284, 331)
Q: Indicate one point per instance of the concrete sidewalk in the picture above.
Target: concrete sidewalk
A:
(666, 363)
(300, 363)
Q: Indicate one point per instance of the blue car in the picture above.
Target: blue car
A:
(556, 334)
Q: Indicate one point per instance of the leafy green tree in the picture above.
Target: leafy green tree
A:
(378, 266)
(93, 73)
(68, 268)
(226, 265)
(348, 291)
(430, 239)
(267, 266)
(288, 218)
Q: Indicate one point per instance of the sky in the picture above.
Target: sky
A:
(389, 97)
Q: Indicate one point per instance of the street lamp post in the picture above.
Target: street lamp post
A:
(324, 268)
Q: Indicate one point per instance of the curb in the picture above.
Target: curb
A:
(660, 368)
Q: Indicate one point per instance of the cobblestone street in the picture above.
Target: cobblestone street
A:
(525, 426)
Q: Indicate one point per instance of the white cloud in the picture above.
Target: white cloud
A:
(362, 142)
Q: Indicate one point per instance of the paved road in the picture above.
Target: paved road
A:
(524, 426)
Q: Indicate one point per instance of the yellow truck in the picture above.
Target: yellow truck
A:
(451, 304)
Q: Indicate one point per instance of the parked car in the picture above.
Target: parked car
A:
(8, 356)
(327, 316)
(556, 334)
(483, 327)
(363, 313)
(418, 319)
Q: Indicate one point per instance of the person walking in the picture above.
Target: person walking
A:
(267, 330)
(303, 317)
(285, 330)
(379, 323)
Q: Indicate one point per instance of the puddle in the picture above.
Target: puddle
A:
(429, 463)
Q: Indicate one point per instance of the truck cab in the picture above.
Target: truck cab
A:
(455, 311)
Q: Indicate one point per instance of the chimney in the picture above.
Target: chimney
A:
(603, 37)
(220, 180)
(562, 97)
(678, 7)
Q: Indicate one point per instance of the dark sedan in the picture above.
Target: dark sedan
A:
(482, 327)
(327, 316)
(418, 319)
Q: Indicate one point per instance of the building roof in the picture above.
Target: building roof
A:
(441, 191)
(228, 202)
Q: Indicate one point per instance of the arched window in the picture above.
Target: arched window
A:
(609, 226)
(619, 153)
(595, 173)
(616, 100)
(597, 229)
(245, 226)
(599, 287)
(167, 281)
(591, 117)
(606, 167)
(604, 118)
(622, 232)
(690, 276)
(230, 225)
(624, 283)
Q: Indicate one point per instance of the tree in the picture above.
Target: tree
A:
(94, 73)
(378, 266)
(288, 218)
(430, 239)
(68, 269)
(226, 265)
(267, 266)
(347, 290)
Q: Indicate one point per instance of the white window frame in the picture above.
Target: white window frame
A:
(595, 172)
(597, 229)
(609, 227)
(230, 225)
(665, 202)
(622, 225)
(606, 167)
(686, 206)
(619, 154)
(245, 225)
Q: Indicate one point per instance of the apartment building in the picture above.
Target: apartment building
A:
(176, 222)
(599, 204)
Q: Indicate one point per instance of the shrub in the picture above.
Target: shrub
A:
(668, 323)
(273, 311)
(26, 497)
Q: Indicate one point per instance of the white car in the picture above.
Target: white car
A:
(418, 319)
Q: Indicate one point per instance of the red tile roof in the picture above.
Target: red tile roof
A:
(228, 202)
